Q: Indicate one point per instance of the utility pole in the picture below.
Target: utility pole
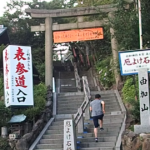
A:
(140, 24)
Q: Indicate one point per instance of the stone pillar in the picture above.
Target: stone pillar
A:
(144, 102)
(114, 46)
(48, 52)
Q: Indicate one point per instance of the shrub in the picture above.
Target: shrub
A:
(39, 103)
(4, 144)
(105, 71)
(129, 91)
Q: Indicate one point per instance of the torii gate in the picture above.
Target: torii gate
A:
(49, 27)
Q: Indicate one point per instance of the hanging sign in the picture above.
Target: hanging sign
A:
(18, 76)
(78, 35)
(132, 61)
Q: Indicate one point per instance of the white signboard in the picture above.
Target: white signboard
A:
(18, 76)
(69, 137)
(131, 61)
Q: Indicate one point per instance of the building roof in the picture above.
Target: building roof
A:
(2, 30)
(4, 39)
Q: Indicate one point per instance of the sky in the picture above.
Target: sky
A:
(4, 2)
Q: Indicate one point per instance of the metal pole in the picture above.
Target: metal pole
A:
(140, 24)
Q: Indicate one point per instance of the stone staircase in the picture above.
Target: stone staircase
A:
(66, 82)
(112, 125)
(67, 104)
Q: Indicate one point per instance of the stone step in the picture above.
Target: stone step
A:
(66, 75)
(100, 139)
(112, 118)
(76, 104)
(81, 143)
(60, 98)
(68, 84)
(46, 139)
(68, 89)
(61, 130)
(47, 146)
(103, 92)
(103, 97)
(108, 99)
(106, 121)
(67, 112)
(74, 111)
(72, 79)
(106, 129)
(63, 105)
(80, 135)
(113, 125)
(77, 101)
(82, 98)
(53, 136)
(96, 148)
(68, 94)
(71, 106)
(98, 144)
(76, 108)
(70, 99)
(49, 149)
(102, 133)
(51, 141)
(62, 117)
(106, 126)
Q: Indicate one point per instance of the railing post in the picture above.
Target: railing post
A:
(87, 112)
(81, 122)
(54, 104)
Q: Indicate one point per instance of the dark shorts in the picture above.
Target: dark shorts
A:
(95, 120)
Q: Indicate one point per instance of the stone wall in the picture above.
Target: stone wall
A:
(132, 141)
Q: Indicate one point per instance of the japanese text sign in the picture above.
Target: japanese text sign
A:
(132, 61)
(18, 76)
(78, 35)
(144, 96)
(69, 137)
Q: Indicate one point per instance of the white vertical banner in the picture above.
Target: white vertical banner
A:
(18, 76)
(144, 96)
(69, 137)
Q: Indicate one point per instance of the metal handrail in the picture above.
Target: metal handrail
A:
(85, 103)
(77, 77)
